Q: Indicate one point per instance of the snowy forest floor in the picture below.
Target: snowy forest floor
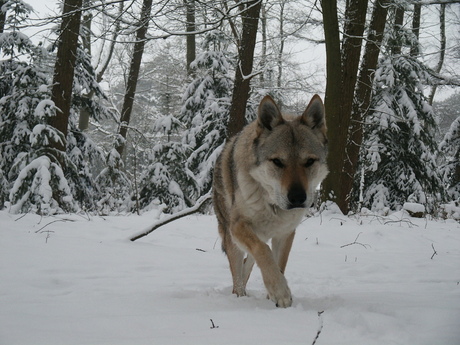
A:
(377, 280)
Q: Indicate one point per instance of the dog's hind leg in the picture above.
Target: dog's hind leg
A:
(235, 258)
(281, 246)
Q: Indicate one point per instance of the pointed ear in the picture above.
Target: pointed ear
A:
(269, 114)
(314, 116)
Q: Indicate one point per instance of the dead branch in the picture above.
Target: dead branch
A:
(190, 210)
(54, 221)
(355, 242)
(320, 328)
(434, 251)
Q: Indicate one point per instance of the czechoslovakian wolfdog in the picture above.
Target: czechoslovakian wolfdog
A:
(264, 180)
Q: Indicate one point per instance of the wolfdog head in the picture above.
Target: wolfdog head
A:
(290, 153)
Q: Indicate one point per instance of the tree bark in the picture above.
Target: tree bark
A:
(2, 16)
(263, 57)
(442, 50)
(280, 50)
(133, 75)
(340, 87)
(65, 67)
(398, 24)
(190, 27)
(363, 94)
(414, 51)
(250, 19)
(83, 121)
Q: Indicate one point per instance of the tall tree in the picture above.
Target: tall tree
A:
(250, 11)
(442, 50)
(400, 150)
(133, 76)
(2, 15)
(363, 94)
(190, 28)
(342, 69)
(65, 68)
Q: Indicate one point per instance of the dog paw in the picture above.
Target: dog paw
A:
(281, 294)
(283, 302)
(239, 292)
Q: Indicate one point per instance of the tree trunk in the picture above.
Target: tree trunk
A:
(263, 58)
(280, 50)
(340, 87)
(102, 66)
(398, 26)
(133, 75)
(190, 27)
(442, 50)
(364, 86)
(2, 16)
(414, 51)
(83, 121)
(64, 67)
(250, 18)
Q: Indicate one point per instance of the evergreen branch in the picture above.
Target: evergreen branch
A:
(185, 212)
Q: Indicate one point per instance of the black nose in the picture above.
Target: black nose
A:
(297, 197)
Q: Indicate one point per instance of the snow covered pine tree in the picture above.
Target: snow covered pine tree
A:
(399, 148)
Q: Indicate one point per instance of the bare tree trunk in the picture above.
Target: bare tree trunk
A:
(83, 121)
(263, 58)
(117, 26)
(442, 51)
(363, 94)
(190, 27)
(250, 18)
(64, 67)
(133, 75)
(332, 99)
(398, 24)
(340, 86)
(414, 51)
(281, 48)
(2, 16)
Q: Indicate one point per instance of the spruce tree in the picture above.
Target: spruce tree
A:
(34, 176)
(31, 181)
(206, 108)
(180, 172)
(399, 149)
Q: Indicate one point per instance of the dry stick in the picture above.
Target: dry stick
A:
(54, 221)
(434, 251)
(320, 327)
(356, 239)
(190, 210)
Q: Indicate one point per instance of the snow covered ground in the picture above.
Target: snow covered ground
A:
(73, 279)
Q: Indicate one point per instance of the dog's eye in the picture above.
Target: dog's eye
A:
(310, 162)
(278, 163)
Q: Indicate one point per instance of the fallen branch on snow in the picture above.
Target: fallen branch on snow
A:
(190, 210)
(355, 242)
(434, 251)
(320, 327)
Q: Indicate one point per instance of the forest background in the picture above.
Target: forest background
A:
(123, 106)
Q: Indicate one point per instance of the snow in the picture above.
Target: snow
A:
(414, 207)
(77, 279)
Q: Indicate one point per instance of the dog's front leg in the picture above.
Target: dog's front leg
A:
(274, 280)
(281, 246)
